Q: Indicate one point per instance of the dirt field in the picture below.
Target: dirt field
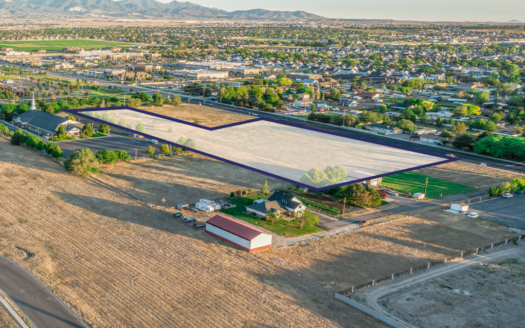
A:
(475, 176)
(484, 295)
(6, 320)
(210, 117)
(119, 263)
(347, 260)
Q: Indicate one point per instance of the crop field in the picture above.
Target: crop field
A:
(110, 249)
(475, 176)
(414, 182)
(483, 295)
(210, 117)
(58, 45)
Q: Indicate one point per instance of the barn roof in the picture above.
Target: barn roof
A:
(235, 227)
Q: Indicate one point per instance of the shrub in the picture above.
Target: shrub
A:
(56, 152)
(123, 155)
(107, 156)
(104, 128)
(81, 162)
(87, 130)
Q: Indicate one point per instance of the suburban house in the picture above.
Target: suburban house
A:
(278, 202)
(46, 124)
(367, 95)
(384, 128)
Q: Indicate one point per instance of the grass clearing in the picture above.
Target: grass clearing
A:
(210, 117)
(58, 45)
(285, 228)
(414, 182)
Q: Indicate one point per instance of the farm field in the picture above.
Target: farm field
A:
(484, 295)
(475, 176)
(118, 262)
(414, 182)
(58, 45)
(210, 117)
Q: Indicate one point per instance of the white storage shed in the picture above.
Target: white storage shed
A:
(239, 234)
(459, 207)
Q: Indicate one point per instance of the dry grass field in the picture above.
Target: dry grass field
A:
(210, 117)
(119, 263)
(6, 320)
(110, 249)
(475, 176)
(347, 260)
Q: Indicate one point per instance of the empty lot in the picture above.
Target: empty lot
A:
(509, 212)
(112, 143)
(109, 247)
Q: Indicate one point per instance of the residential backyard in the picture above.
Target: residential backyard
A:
(414, 182)
(285, 228)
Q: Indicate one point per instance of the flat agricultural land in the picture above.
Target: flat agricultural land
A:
(110, 249)
(475, 176)
(414, 182)
(210, 117)
(483, 295)
(61, 44)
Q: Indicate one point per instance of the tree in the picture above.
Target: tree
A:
(61, 132)
(406, 125)
(447, 134)
(176, 100)
(165, 149)
(140, 128)
(87, 130)
(306, 218)
(107, 156)
(464, 141)
(496, 117)
(122, 122)
(123, 155)
(56, 152)
(375, 198)
(264, 188)
(190, 143)
(134, 102)
(461, 111)
(81, 162)
(151, 151)
(50, 109)
(104, 128)
(459, 127)
(272, 216)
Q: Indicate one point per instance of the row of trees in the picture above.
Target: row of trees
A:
(19, 138)
(358, 194)
(502, 147)
(512, 186)
(330, 176)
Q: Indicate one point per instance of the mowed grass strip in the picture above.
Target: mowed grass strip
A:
(285, 228)
(61, 44)
(414, 182)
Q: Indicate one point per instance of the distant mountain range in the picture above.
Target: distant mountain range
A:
(138, 9)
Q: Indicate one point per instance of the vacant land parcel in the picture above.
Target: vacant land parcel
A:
(117, 262)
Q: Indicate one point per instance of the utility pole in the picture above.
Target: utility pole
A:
(344, 205)
(426, 185)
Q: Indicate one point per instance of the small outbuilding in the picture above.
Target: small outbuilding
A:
(419, 195)
(459, 207)
(239, 234)
(183, 206)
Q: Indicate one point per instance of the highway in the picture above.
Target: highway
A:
(34, 300)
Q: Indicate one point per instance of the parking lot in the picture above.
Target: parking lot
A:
(510, 212)
(128, 144)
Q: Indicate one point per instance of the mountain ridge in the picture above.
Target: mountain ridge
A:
(138, 8)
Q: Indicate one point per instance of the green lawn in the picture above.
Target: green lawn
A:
(63, 139)
(96, 135)
(415, 182)
(58, 45)
(282, 227)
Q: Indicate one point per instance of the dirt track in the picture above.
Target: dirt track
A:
(373, 295)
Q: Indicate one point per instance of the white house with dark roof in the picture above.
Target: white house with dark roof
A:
(278, 202)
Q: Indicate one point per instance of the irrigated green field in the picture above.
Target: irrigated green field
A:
(415, 182)
(60, 44)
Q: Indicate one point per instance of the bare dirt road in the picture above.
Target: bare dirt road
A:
(371, 297)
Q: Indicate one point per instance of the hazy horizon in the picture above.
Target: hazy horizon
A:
(446, 10)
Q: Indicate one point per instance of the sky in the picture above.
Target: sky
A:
(444, 10)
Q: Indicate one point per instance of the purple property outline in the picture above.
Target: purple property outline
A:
(79, 113)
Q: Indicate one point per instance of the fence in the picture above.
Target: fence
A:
(355, 289)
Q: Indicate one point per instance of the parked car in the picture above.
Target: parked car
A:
(178, 215)
(153, 141)
(190, 219)
(473, 215)
(194, 209)
(520, 192)
(507, 195)
(364, 223)
(199, 225)
(392, 192)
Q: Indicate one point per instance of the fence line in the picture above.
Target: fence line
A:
(427, 266)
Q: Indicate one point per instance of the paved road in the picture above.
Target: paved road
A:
(33, 299)
(113, 142)
(509, 212)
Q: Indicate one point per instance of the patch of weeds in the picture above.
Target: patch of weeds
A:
(443, 286)
(22, 221)
(509, 261)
